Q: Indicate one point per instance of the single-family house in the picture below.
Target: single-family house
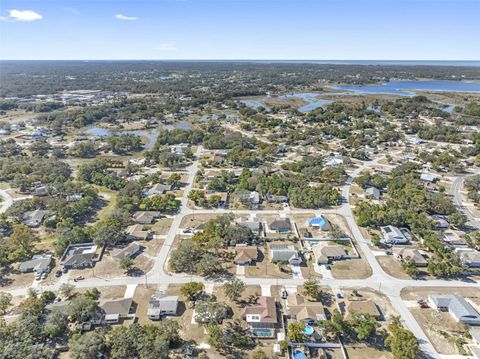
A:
(34, 218)
(457, 306)
(439, 221)
(41, 191)
(145, 217)
(452, 238)
(280, 225)
(372, 193)
(300, 309)
(261, 317)
(162, 305)
(179, 149)
(273, 198)
(221, 197)
(158, 189)
(334, 161)
(406, 254)
(284, 253)
(79, 256)
(362, 307)
(469, 257)
(327, 254)
(246, 255)
(319, 222)
(116, 309)
(428, 177)
(254, 226)
(393, 235)
(128, 252)
(39, 264)
(137, 232)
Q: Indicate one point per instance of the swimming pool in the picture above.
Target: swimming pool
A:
(308, 330)
(298, 354)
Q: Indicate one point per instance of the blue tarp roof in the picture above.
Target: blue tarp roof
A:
(317, 221)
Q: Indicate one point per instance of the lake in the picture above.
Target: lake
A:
(405, 88)
(150, 135)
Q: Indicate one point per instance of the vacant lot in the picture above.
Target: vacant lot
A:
(362, 352)
(13, 280)
(192, 220)
(162, 226)
(392, 267)
(351, 269)
(441, 329)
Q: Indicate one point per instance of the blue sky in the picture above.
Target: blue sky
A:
(240, 29)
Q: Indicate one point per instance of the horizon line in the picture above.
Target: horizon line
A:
(226, 59)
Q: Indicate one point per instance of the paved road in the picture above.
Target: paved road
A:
(457, 198)
(379, 280)
(7, 201)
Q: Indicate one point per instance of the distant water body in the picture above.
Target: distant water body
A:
(405, 87)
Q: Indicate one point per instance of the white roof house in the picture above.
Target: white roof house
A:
(457, 306)
(284, 253)
(393, 235)
(161, 305)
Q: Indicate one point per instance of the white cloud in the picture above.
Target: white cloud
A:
(123, 17)
(23, 15)
(166, 47)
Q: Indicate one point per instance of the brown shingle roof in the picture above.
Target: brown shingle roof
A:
(265, 307)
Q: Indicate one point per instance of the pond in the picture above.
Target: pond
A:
(405, 88)
(150, 135)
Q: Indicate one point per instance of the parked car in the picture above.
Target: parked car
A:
(58, 273)
(80, 277)
(44, 275)
(284, 294)
(339, 295)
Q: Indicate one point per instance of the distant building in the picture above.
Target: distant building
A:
(457, 306)
(393, 235)
(162, 305)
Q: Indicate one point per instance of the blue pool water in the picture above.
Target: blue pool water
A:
(298, 354)
(308, 330)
